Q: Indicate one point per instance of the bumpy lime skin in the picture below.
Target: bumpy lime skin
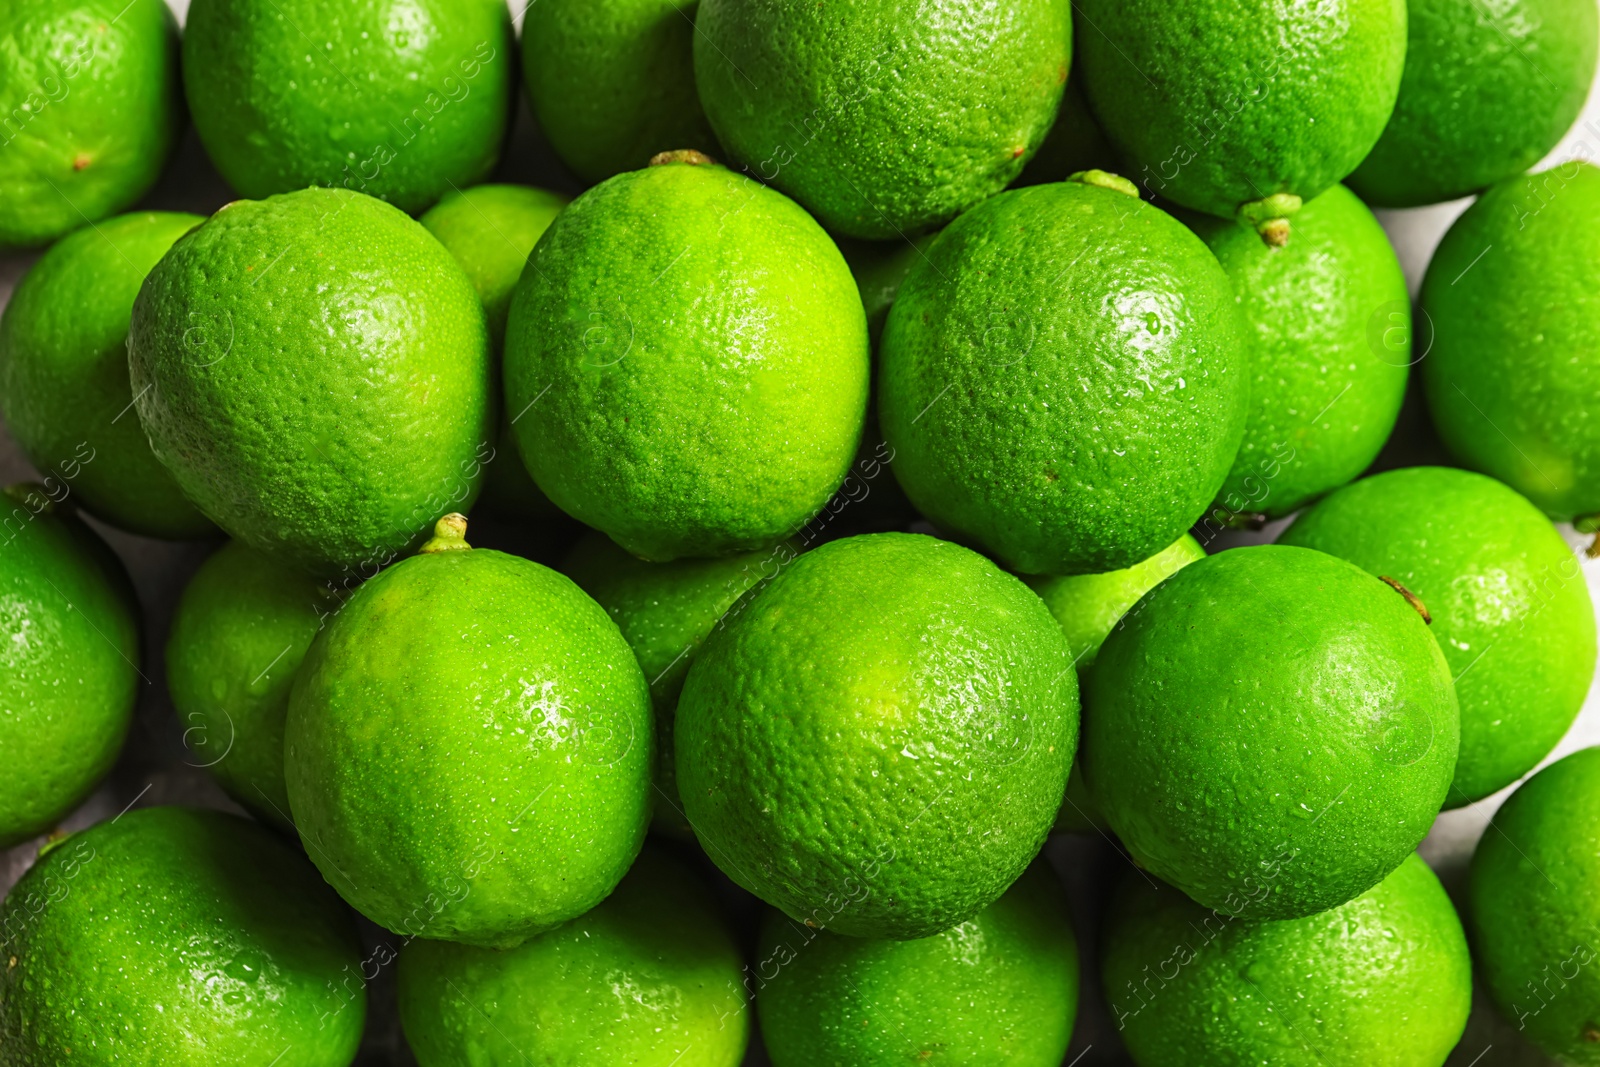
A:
(1487, 91)
(698, 353)
(883, 120)
(1272, 730)
(171, 937)
(613, 84)
(1382, 981)
(468, 749)
(1064, 379)
(64, 374)
(401, 103)
(1513, 296)
(651, 976)
(69, 649)
(92, 106)
(1219, 103)
(1328, 319)
(1510, 607)
(1533, 902)
(878, 741)
(314, 371)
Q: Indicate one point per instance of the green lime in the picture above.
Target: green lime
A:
(238, 636)
(883, 119)
(613, 84)
(1063, 379)
(1509, 605)
(1533, 900)
(1272, 730)
(93, 107)
(1513, 297)
(1001, 988)
(1487, 91)
(468, 747)
(686, 362)
(314, 371)
(64, 374)
(401, 102)
(878, 741)
(1074, 144)
(1329, 323)
(651, 977)
(1381, 981)
(170, 937)
(1242, 109)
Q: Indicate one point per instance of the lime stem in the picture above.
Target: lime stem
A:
(682, 155)
(1411, 598)
(449, 534)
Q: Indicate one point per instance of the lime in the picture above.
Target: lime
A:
(1074, 144)
(686, 362)
(1381, 981)
(878, 741)
(468, 747)
(882, 119)
(651, 977)
(1272, 730)
(400, 102)
(93, 107)
(314, 371)
(176, 938)
(1063, 378)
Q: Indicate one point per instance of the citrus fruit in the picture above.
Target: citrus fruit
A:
(1242, 110)
(1486, 92)
(878, 742)
(1063, 379)
(178, 938)
(1074, 144)
(1272, 730)
(1381, 981)
(468, 747)
(1533, 901)
(398, 102)
(688, 356)
(64, 374)
(1509, 605)
(314, 371)
(69, 645)
(93, 105)
(883, 120)
(240, 631)
(1001, 988)
(651, 976)
(1513, 296)
(1328, 320)
(613, 84)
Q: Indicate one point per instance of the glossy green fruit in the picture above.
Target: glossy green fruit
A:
(697, 352)
(1272, 731)
(401, 102)
(650, 977)
(1001, 988)
(93, 107)
(883, 120)
(1329, 323)
(1063, 380)
(170, 937)
(1382, 981)
(1533, 900)
(314, 371)
(612, 83)
(64, 374)
(468, 747)
(1513, 295)
(1509, 603)
(69, 654)
(1487, 91)
(879, 741)
(1242, 109)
